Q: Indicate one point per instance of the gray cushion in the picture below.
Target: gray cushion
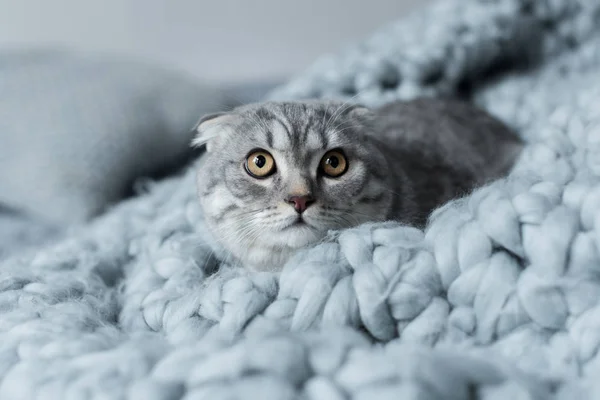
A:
(77, 129)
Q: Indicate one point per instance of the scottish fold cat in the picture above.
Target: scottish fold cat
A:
(278, 176)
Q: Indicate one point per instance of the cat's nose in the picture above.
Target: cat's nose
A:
(300, 203)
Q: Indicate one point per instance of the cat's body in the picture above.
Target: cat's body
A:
(279, 176)
(445, 148)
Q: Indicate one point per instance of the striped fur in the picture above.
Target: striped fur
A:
(404, 160)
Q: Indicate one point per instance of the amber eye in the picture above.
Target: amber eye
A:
(260, 164)
(334, 163)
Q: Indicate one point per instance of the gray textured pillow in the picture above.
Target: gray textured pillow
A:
(76, 130)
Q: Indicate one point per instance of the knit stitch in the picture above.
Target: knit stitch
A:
(497, 298)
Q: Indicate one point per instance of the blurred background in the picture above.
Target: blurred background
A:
(98, 96)
(217, 40)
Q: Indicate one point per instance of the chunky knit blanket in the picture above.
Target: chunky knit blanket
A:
(499, 297)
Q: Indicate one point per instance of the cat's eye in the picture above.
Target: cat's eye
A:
(260, 164)
(334, 163)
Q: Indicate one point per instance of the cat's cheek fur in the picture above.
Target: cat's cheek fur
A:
(376, 193)
(218, 203)
(341, 191)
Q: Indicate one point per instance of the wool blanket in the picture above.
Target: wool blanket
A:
(498, 297)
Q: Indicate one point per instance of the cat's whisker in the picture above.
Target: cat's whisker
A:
(344, 126)
(242, 230)
(353, 213)
(338, 131)
(240, 227)
(340, 110)
(388, 178)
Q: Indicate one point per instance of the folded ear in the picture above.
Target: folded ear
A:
(211, 127)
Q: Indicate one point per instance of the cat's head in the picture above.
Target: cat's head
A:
(279, 176)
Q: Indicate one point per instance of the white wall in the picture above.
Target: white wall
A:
(220, 40)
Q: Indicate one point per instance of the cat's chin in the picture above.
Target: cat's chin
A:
(296, 235)
(276, 248)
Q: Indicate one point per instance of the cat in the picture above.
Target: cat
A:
(277, 176)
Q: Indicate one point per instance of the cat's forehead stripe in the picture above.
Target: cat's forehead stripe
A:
(281, 139)
(315, 140)
(306, 129)
(286, 128)
(265, 125)
(293, 127)
(269, 135)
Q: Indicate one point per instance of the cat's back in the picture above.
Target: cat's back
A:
(445, 148)
(449, 131)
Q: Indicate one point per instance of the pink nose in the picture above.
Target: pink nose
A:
(300, 203)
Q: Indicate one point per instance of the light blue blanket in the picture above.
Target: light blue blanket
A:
(497, 299)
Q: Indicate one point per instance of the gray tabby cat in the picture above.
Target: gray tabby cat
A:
(279, 176)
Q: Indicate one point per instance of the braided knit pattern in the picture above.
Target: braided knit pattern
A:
(497, 298)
